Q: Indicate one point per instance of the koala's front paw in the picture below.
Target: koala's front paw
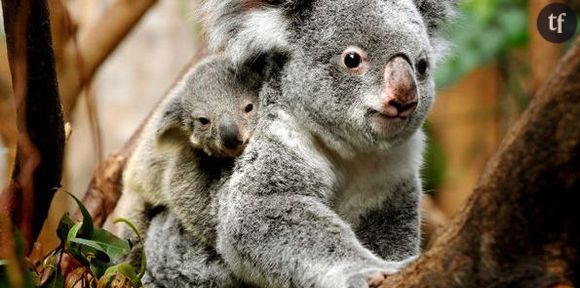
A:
(373, 278)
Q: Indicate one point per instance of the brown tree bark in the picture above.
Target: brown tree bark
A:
(521, 227)
(38, 166)
(79, 59)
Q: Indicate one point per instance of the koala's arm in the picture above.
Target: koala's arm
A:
(277, 228)
(392, 231)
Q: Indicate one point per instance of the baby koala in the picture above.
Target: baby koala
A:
(187, 149)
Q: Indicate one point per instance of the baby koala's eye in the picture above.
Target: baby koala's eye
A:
(354, 59)
(203, 121)
(249, 108)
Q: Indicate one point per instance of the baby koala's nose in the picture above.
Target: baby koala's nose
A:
(230, 134)
(400, 99)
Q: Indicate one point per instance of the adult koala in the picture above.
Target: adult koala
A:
(327, 192)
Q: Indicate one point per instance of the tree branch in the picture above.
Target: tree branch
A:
(95, 44)
(521, 227)
(38, 167)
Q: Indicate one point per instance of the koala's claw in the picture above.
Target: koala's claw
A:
(375, 280)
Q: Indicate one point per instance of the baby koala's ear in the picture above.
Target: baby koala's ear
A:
(169, 125)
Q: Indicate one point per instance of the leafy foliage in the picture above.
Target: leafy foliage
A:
(96, 258)
(485, 30)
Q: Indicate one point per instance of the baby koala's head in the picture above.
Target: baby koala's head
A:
(214, 107)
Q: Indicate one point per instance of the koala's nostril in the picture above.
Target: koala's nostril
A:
(395, 108)
(407, 108)
(397, 105)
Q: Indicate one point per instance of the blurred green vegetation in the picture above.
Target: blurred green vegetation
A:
(483, 31)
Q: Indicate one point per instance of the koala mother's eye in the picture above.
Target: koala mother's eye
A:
(422, 67)
(354, 60)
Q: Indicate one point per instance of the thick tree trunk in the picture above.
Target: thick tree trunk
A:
(38, 166)
(521, 227)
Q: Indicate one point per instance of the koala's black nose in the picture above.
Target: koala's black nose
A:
(230, 134)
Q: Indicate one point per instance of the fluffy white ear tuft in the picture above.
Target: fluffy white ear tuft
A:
(436, 14)
(246, 28)
(263, 30)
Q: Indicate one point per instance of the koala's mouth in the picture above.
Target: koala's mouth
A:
(386, 125)
(232, 153)
(375, 113)
(222, 151)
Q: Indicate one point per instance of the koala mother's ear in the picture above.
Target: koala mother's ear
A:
(436, 13)
(245, 28)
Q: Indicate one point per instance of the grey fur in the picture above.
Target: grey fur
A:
(181, 164)
(321, 197)
(178, 160)
(320, 193)
(178, 259)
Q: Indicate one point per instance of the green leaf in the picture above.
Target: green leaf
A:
(143, 255)
(64, 226)
(99, 267)
(102, 250)
(131, 225)
(72, 248)
(116, 246)
(127, 270)
(55, 281)
(87, 228)
(111, 251)
(72, 234)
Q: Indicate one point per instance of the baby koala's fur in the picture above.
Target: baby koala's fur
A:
(188, 147)
(178, 259)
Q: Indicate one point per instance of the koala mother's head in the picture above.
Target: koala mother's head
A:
(361, 71)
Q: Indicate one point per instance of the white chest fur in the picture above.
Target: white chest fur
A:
(368, 180)
(361, 183)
